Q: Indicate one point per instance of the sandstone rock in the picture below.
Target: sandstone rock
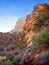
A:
(19, 25)
(30, 19)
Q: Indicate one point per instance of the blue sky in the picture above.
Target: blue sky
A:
(11, 10)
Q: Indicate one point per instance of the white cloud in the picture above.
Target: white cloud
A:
(7, 24)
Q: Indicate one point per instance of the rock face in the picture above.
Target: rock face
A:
(19, 25)
(26, 26)
(27, 29)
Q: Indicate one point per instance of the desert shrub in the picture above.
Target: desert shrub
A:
(9, 56)
(8, 61)
(41, 20)
(41, 39)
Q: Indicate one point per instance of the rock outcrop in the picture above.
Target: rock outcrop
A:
(28, 27)
(19, 25)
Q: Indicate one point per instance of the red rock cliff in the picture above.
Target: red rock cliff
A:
(27, 29)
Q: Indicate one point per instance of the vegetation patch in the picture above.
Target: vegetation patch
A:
(41, 39)
(41, 20)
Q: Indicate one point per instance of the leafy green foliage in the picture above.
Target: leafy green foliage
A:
(40, 20)
(41, 39)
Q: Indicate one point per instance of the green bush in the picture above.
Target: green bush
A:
(41, 39)
(41, 20)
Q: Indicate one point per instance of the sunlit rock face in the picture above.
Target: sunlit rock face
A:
(30, 19)
(41, 7)
(19, 25)
(25, 26)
